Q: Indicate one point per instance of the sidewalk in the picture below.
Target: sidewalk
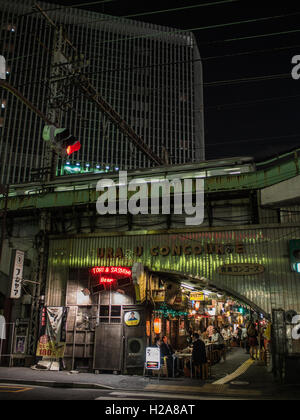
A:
(255, 382)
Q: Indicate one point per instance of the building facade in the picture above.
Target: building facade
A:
(150, 75)
(241, 250)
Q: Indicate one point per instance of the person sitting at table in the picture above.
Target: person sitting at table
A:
(198, 354)
(167, 351)
(219, 343)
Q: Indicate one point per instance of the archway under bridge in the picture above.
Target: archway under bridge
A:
(202, 283)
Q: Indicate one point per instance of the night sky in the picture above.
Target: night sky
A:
(258, 118)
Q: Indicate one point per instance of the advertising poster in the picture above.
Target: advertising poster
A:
(52, 342)
(132, 319)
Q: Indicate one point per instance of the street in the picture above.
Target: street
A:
(13, 392)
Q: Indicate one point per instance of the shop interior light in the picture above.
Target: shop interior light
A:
(186, 286)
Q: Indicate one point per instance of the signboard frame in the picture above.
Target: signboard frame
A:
(152, 361)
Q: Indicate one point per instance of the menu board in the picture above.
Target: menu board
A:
(153, 358)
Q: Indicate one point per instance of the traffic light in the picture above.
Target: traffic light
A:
(295, 254)
(62, 140)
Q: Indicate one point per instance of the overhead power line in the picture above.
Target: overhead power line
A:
(73, 6)
(95, 3)
(194, 29)
(252, 140)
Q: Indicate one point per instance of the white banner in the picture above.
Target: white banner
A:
(17, 275)
(2, 68)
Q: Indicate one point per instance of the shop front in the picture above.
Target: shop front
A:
(122, 291)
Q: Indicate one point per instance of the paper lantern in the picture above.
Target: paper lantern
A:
(157, 325)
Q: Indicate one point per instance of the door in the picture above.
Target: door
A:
(108, 347)
(109, 338)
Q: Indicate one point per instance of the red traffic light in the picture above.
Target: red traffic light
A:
(73, 148)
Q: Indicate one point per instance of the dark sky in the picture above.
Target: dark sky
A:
(242, 118)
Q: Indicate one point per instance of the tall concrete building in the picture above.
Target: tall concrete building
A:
(151, 75)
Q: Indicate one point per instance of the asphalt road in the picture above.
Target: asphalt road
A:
(11, 392)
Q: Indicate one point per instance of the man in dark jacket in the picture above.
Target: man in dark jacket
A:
(167, 351)
(198, 353)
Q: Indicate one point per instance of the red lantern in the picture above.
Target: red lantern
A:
(157, 325)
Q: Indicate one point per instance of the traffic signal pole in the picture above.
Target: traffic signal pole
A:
(63, 62)
(54, 110)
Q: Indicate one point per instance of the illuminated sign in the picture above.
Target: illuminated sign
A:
(119, 271)
(107, 280)
(197, 296)
(132, 319)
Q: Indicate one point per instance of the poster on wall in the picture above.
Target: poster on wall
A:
(20, 344)
(132, 318)
(52, 341)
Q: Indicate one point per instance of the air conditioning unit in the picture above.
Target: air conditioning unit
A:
(135, 352)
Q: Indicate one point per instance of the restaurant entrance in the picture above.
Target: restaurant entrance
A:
(120, 333)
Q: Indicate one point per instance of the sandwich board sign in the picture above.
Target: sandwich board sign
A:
(152, 358)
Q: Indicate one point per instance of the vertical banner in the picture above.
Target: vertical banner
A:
(17, 275)
(52, 342)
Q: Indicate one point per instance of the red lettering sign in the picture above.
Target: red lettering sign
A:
(119, 271)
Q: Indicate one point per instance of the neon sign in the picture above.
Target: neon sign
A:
(118, 271)
(107, 280)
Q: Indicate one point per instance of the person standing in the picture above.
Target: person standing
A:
(253, 343)
(167, 351)
(244, 337)
(198, 354)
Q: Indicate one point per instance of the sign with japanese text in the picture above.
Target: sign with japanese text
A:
(17, 275)
(52, 341)
(152, 358)
(241, 269)
(197, 296)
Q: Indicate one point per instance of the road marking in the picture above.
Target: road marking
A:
(13, 389)
(242, 369)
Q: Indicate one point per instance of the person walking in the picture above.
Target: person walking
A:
(199, 359)
(244, 337)
(253, 343)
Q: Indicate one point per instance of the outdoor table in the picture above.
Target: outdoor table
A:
(183, 356)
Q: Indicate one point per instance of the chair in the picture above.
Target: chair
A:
(163, 371)
(203, 370)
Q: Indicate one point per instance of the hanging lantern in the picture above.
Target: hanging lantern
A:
(197, 305)
(148, 328)
(157, 325)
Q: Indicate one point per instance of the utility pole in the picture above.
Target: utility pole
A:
(66, 64)
(54, 110)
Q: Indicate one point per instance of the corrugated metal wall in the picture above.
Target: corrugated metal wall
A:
(277, 287)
